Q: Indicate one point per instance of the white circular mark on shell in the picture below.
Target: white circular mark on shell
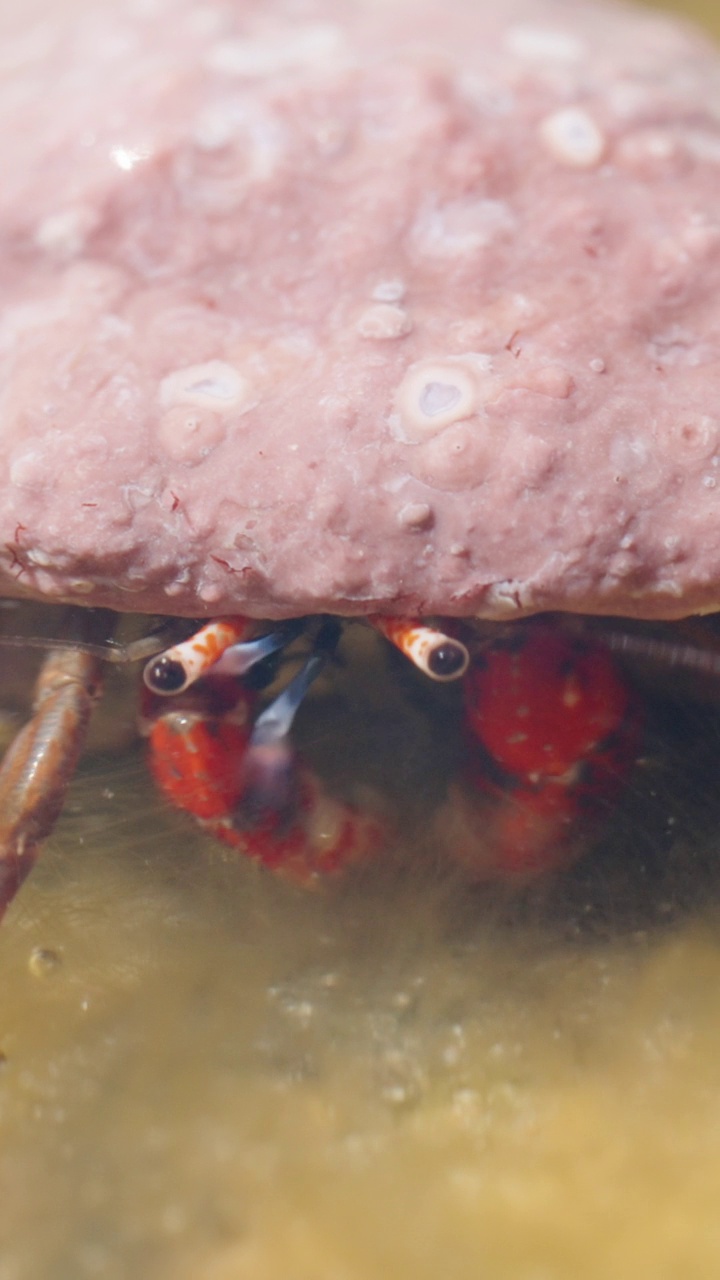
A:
(384, 321)
(215, 386)
(435, 394)
(439, 397)
(573, 138)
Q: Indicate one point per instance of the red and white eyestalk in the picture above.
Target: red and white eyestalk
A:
(438, 655)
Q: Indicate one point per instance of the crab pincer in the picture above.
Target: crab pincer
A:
(553, 729)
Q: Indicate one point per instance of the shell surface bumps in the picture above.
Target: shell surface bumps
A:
(358, 307)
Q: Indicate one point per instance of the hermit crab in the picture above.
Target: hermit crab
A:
(550, 729)
(356, 311)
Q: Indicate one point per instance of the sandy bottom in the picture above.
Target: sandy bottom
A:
(209, 1074)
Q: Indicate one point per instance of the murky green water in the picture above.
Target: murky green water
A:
(208, 1073)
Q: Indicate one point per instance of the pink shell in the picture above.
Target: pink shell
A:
(360, 307)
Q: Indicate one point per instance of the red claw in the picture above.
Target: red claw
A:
(544, 702)
(198, 758)
(197, 762)
(324, 836)
(553, 732)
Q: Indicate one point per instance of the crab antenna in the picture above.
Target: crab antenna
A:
(179, 667)
(276, 720)
(268, 765)
(438, 655)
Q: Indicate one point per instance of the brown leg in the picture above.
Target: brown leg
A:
(40, 763)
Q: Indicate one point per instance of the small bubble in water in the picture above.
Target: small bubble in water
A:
(43, 962)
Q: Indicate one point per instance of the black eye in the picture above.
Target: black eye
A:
(447, 659)
(166, 675)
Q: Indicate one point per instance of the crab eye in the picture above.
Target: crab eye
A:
(447, 660)
(166, 675)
